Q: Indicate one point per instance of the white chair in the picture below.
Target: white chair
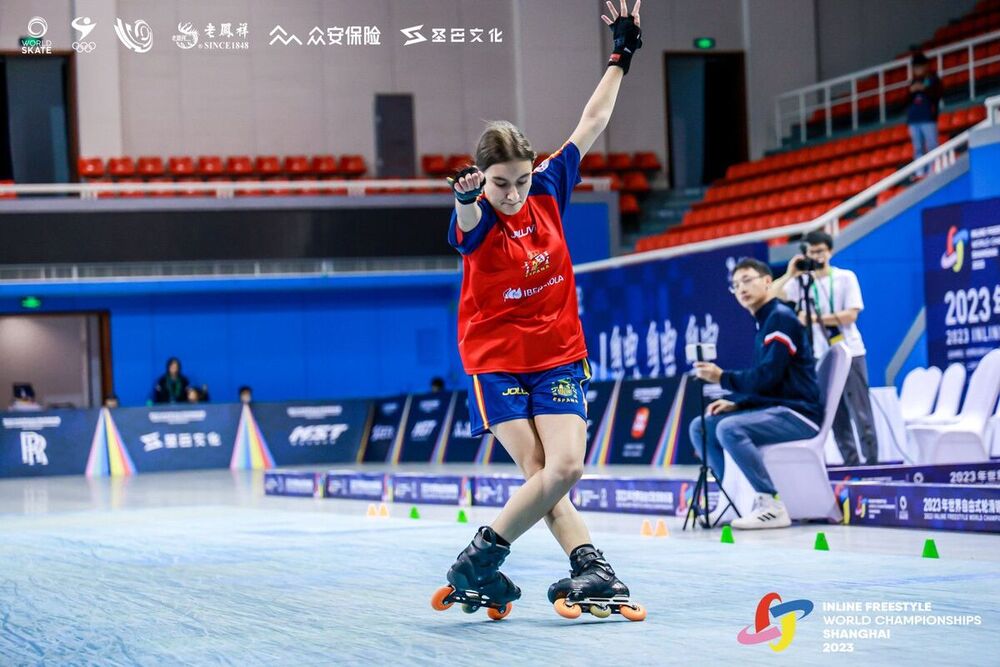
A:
(920, 387)
(797, 468)
(949, 397)
(993, 433)
(963, 440)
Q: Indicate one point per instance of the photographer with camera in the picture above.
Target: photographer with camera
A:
(830, 298)
(775, 400)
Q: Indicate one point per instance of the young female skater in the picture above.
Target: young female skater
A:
(522, 345)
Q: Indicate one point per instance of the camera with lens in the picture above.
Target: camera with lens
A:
(807, 263)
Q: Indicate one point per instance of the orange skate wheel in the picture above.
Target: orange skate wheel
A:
(498, 615)
(633, 614)
(437, 600)
(567, 611)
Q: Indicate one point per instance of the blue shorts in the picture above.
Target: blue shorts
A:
(500, 397)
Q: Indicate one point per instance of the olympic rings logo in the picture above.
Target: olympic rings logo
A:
(785, 613)
(84, 47)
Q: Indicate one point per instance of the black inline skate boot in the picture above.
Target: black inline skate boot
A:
(592, 586)
(476, 581)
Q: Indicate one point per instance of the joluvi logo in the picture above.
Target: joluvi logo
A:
(954, 252)
(784, 614)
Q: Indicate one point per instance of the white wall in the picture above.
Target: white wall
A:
(287, 100)
(855, 34)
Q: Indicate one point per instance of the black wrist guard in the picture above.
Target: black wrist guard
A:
(628, 40)
(466, 197)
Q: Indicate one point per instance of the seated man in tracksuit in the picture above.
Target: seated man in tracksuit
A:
(775, 400)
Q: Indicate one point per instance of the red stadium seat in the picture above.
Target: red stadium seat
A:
(180, 166)
(458, 162)
(297, 165)
(635, 182)
(150, 166)
(434, 165)
(209, 165)
(268, 165)
(239, 165)
(353, 166)
(628, 204)
(619, 161)
(90, 167)
(121, 167)
(324, 166)
(647, 161)
(593, 163)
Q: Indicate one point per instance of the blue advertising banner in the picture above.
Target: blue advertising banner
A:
(308, 432)
(33, 444)
(300, 484)
(986, 472)
(181, 438)
(637, 496)
(494, 490)
(462, 447)
(431, 489)
(356, 485)
(642, 410)
(637, 318)
(938, 506)
(425, 425)
(386, 422)
(962, 281)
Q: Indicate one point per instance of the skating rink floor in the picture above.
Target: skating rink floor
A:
(202, 568)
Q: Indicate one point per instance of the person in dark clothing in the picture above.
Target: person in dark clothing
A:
(922, 109)
(776, 400)
(172, 386)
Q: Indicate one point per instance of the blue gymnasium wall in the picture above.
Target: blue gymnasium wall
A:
(890, 267)
(287, 338)
(305, 338)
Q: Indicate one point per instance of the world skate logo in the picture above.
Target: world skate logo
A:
(136, 36)
(781, 632)
(954, 251)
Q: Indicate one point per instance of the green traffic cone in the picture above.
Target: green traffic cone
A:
(414, 513)
(461, 517)
(930, 549)
(821, 544)
(727, 535)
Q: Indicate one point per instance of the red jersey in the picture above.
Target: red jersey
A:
(518, 310)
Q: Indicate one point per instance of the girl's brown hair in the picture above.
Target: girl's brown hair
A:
(500, 142)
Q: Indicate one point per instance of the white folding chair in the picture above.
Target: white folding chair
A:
(949, 397)
(798, 468)
(920, 388)
(963, 440)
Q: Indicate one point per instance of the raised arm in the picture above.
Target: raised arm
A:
(597, 113)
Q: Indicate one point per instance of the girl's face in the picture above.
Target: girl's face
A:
(507, 185)
(174, 368)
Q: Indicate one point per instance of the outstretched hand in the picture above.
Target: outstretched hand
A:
(624, 12)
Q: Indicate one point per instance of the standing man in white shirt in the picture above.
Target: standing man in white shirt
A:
(835, 301)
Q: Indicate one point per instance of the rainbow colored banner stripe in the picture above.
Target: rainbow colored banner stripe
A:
(250, 451)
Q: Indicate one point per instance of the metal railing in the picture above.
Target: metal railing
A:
(228, 189)
(798, 105)
(937, 160)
